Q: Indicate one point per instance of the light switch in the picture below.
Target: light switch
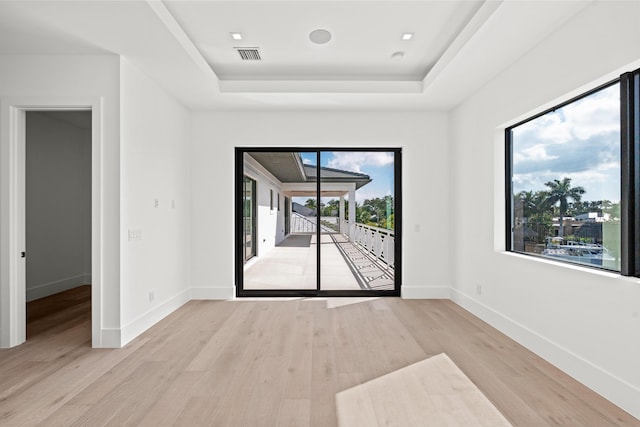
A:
(135, 235)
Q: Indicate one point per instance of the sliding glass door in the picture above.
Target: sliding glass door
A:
(321, 222)
(357, 216)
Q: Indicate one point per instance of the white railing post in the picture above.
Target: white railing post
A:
(377, 241)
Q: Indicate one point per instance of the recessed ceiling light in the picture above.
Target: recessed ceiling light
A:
(236, 36)
(320, 36)
(407, 36)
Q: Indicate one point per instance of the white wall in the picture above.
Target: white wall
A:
(58, 78)
(583, 321)
(155, 142)
(270, 222)
(58, 202)
(422, 136)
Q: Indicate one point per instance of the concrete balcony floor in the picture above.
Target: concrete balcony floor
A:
(292, 265)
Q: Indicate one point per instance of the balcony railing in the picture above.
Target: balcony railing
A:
(379, 242)
(304, 224)
(300, 224)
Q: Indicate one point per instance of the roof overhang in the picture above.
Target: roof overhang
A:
(288, 168)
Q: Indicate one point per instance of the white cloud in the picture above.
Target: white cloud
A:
(594, 115)
(579, 140)
(356, 161)
(307, 161)
(535, 153)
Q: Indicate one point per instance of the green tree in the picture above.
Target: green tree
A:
(374, 211)
(310, 203)
(331, 208)
(559, 192)
(536, 213)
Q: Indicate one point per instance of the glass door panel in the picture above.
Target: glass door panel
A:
(357, 217)
(285, 221)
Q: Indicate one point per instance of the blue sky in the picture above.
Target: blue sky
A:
(580, 141)
(378, 165)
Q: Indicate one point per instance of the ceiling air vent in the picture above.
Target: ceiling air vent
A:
(249, 53)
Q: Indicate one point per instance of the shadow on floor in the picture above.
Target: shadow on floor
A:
(297, 241)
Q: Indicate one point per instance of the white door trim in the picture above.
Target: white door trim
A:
(12, 215)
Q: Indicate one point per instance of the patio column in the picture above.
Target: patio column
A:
(352, 214)
(341, 215)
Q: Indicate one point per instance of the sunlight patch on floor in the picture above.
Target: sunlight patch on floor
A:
(432, 392)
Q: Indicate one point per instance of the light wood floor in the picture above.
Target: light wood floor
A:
(253, 363)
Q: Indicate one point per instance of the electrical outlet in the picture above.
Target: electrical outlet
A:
(479, 289)
(173, 204)
(156, 203)
(152, 296)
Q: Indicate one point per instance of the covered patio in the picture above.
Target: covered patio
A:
(344, 265)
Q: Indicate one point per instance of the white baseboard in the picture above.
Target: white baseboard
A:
(110, 338)
(615, 389)
(213, 293)
(153, 316)
(51, 288)
(426, 292)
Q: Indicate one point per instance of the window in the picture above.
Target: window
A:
(248, 233)
(571, 174)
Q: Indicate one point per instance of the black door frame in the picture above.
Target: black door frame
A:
(239, 247)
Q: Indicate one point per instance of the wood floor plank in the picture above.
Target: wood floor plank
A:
(294, 413)
(258, 362)
(323, 370)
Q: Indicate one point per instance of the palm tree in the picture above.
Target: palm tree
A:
(535, 212)
(310, 203)
(529, 201)
(560, 191)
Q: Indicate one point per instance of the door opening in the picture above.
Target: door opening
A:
(339, 232)
(58, 221)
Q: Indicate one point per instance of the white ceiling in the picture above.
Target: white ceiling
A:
(364, 36)
(186, 47)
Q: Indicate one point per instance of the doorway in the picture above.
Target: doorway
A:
(339, 233)
(57, 214)
(13, 253)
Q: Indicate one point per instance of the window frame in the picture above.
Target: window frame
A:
(629, 174)
(630, 166)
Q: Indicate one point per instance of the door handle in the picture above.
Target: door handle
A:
(23, 254)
